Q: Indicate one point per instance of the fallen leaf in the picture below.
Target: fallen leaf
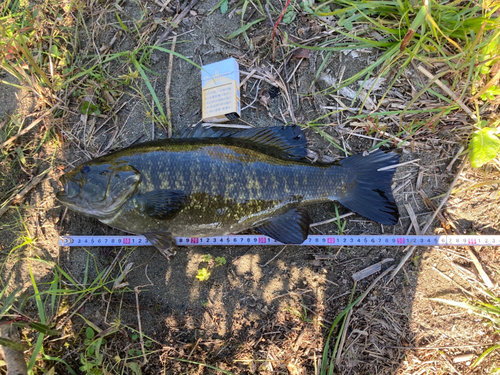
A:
(301, 53)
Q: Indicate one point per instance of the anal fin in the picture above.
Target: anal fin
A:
(290, 228)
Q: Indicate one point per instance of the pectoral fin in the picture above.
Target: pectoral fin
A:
(163, 241)
(290, 228)
(161, 204)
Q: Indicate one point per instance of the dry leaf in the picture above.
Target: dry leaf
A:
(372, 83)
(301, 53)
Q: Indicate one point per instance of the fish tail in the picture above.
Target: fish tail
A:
(370, 193)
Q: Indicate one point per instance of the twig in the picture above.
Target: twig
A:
(368, 271)
(247, 77)
(448, 91)
(176, 22)
(294, 70)
(365, 293)
(486, 87)
(273, 258)
(256, 96)
(331, 220)
(27, 129)
(440, 347)
(280, 17)
(167, 88)
(479, 268)
(141, 338)
(194, 348)
(332, 298)
(19, 196)
(448, 168)
(431, 219)
(413, 218)
(397, 165)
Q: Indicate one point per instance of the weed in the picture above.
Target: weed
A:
(340, 224)
(205, 272)
(484, 144)
(220, 261)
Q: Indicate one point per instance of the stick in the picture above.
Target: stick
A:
(14, 359)
(479, 267)
(486, 87)
(176, 22)
(448, 168)
(397, 165)
(273, 258)
(441, 347)
(449, 92)
(413, 218)
(35, 181)
(24, 131)
(368, 271)
(330, 220)
(431, 219)
(167, 89)
(141, 339)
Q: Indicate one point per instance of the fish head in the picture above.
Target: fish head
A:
(98, 189)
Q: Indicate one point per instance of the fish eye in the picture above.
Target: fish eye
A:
(86, 169)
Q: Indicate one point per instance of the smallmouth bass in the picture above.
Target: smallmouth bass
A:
(208, 182)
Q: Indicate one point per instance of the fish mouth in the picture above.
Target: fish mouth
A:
(71, 189)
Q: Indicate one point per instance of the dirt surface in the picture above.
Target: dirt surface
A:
(268, 309)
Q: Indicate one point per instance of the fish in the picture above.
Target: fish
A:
(213, 182)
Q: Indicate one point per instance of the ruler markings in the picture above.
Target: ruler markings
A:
(316, 240)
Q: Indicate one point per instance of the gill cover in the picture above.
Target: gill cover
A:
(99, 189)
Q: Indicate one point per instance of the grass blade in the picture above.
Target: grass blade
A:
(484, 355)
(14, 345)
(245, 28)
(9, 300)
(41, 314)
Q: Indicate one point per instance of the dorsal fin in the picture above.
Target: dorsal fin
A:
(284, 142)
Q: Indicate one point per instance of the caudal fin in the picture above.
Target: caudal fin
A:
(371, 194)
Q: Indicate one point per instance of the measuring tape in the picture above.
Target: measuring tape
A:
(324, 240)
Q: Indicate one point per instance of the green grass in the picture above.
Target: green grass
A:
(463, 36)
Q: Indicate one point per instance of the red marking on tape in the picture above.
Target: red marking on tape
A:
(194, 240)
